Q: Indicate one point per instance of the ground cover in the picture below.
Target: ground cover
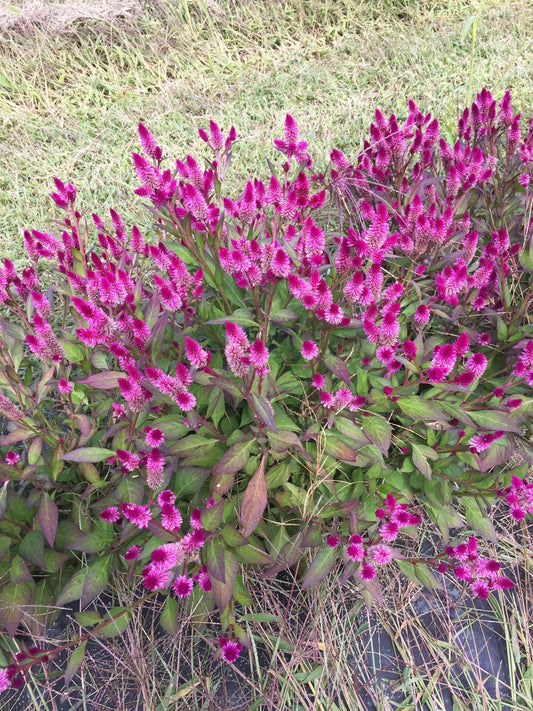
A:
(71, 93)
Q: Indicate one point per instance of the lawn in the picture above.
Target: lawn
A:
(75, 80)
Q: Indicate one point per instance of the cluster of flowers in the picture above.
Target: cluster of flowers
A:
(169, 562)
(483, 574)
(376, 552)
(166, 559)
(519, 496)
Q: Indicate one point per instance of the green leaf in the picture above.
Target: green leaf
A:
(232, 537)
(14, 598)
(215, 559)
(338, 449)
(31, 548)
(117, 626)
(168, 618)
(189, 481)
(278, 474)
(231, 462)
(93, 542)
(350, 430)
(494, 420)
(107, 380)
(74, 663)
(264, 411)
(3, 498)
(338, 367)
(254, 500)
(191, 445)
(477, 519)
(212, 517)
(88, 618)
(427, 578)
(419, 409)
(283, 440)
(95, 580)
(47, 517)
(421, 453)
(88, 454)
(322, 564)
(378, 430)
(252, 554)
(223, 591)
(73, 589)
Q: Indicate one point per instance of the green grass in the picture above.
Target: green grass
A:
(71, 94)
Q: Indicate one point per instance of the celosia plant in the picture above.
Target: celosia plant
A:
(291, 377)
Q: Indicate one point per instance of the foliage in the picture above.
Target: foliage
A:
(291, 378)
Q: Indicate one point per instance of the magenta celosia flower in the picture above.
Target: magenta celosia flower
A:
(167, 555)
(203, 580)
(355, 551)
(384, 354)
(193, 541)
(332, 541)
(409, 349)
(380, 554)
(64, 386)
(513, 403)
(476, 364)
(258, 354)
(153, 436)
(111, 514)
(195, 353)
(133, 553)
(5, 679)
(171, 518)
(318, 381)
(230, 650)
(155, 464)
(156, 578)
(140, 516)
(389, 531)
(130, 460)
(368, 572)
(480, 588)
(309, 350)
(357, 402)
(12, 458)
(186, 401)
(182, 586)
(9, 409)
(166, 497)
(327, 399)
(444, 356)
(421, 315)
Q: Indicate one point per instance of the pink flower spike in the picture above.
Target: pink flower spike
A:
(381, 554)
(12, 458)
(230, 650)
(64, 387)
(110, 514)
(318, 381)
(133, 553)
(140, 516)
(409, 349)
(332, 541)
(153, 437)
(368, 572)
(166, 497)
(309, 350)
(258, 354)
(182, 586)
